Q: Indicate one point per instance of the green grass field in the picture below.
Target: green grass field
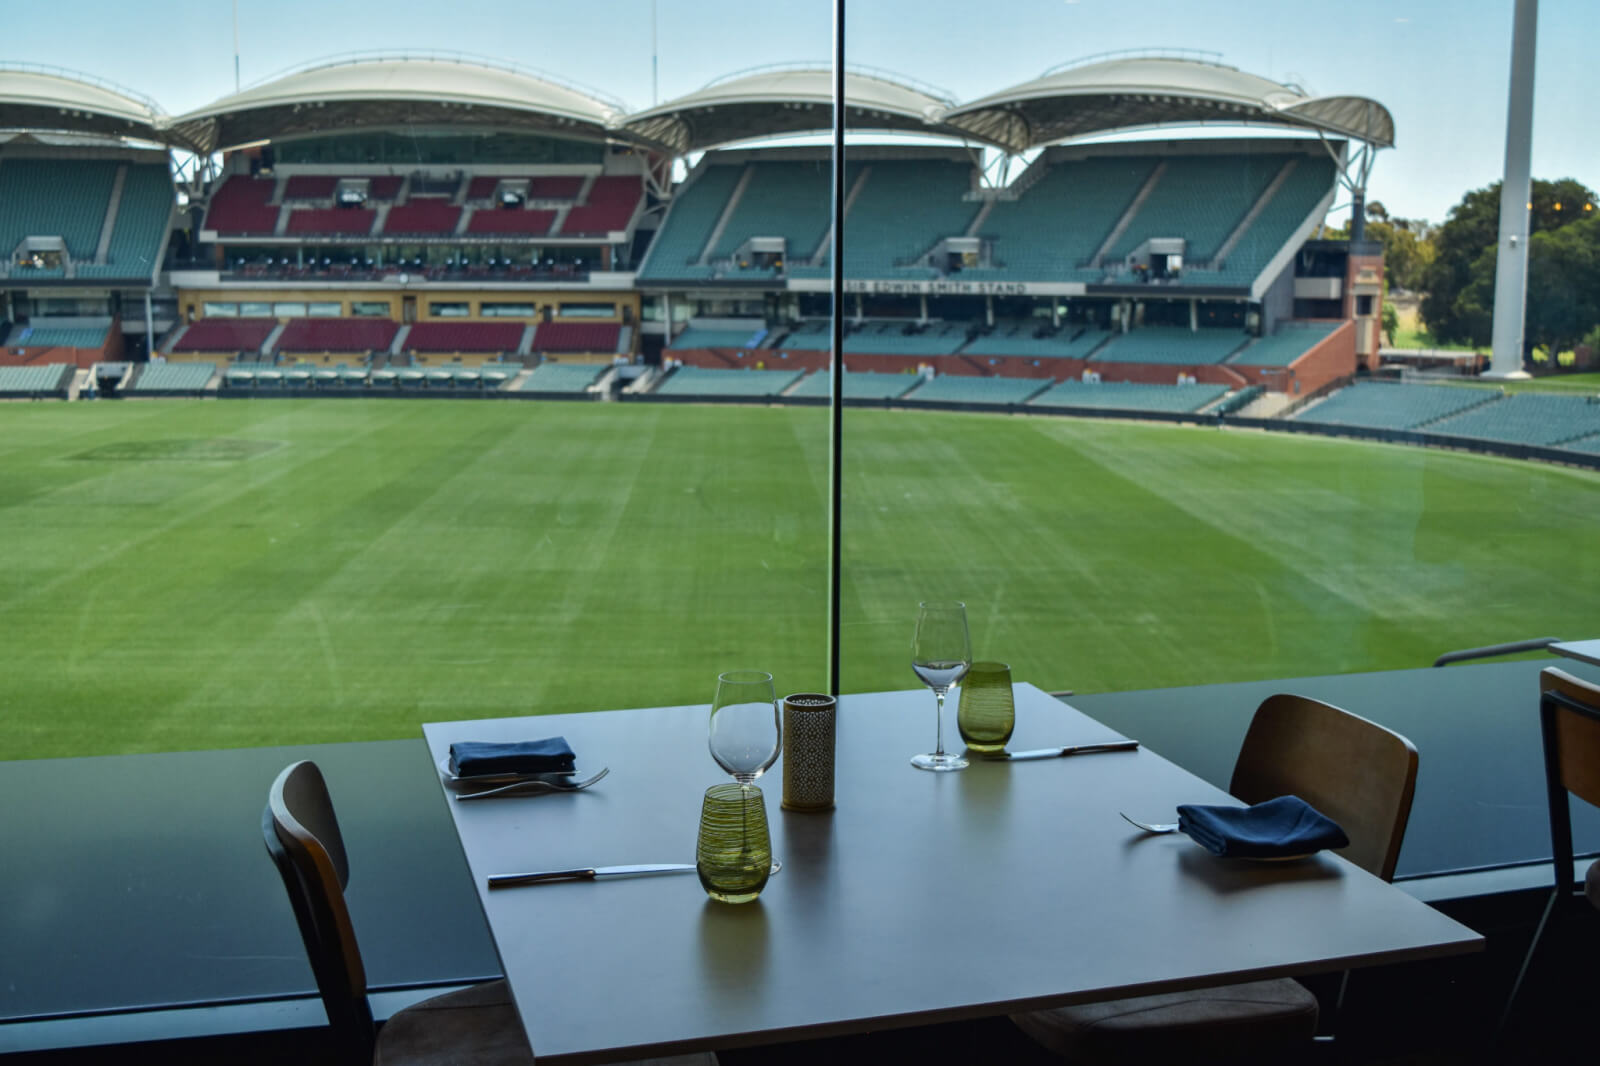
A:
(186, 574)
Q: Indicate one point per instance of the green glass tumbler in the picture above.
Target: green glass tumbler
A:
(987, 713)
(734, 853)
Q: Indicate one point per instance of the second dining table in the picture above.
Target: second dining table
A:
(919, 898)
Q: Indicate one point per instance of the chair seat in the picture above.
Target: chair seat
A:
(1591, 884)
(475, 1026)
(1233, 1023)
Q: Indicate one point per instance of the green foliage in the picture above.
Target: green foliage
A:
(1458, 285)
(1391, 320)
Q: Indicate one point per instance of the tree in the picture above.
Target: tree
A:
(1407, 249)
(1391, 321)
(1471, 233)
(1563, 287)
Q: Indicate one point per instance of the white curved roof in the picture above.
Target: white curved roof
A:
(773, 101)
(48, 98)
(388, 90)
(1123, 93)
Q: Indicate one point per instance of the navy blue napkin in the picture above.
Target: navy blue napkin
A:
(1275, 829)
(471, 758)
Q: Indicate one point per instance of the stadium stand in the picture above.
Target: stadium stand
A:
(28, 382)
(957, 388)
(1057, 225)
(1380, 405)
(310, 187)
(780, 199)
(1017, 338)
(701, 337)
(1127, 396)
(610, 207)
(904, 208)
(1305, 187)
(511, 222)
(555, 187)
(675, 252)
(808, 337)
(384, 186)
(332, 221)
(241, 208)
(752, 384)
(464, 337)
(424, 217)
(862, 385)
(1587, 445)
(1526, 418)
(173, 378)
(566, 378)
(226, 335)
(890, 338)
(1171, 346)
(337, 335)
(482, 186)
(1290, 342)
(47, 336)
(55, 198)
(577, 337)
(1201, 199)
(144, 210)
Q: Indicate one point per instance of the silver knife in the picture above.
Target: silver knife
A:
(591, 873)
(1071, 749)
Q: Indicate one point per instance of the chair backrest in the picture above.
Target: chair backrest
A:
(302, 836)
(1569, 720)
(1356, 772)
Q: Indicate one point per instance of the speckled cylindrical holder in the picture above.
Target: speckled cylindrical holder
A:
(809, 729)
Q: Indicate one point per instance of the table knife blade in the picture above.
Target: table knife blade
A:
(589, 873)
(1070, 749)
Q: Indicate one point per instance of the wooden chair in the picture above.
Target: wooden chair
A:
(476, 1026)
(1569, 722)
(1358, 773)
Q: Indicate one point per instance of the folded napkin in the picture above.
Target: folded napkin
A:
(470, 758)
(1275, 829)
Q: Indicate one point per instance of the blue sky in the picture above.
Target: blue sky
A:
(1441, 66)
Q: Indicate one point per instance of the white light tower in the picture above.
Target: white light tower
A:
(1511, 262)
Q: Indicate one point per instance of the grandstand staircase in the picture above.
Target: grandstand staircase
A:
(1149, 186)
(280, 227)
(820, 257)
(166, 346)
(102, 247)
(1232, 240)
(525, 345)
(464, 221)
(727, 213)
(380, 219)
(271, 343)
(398, 345)
(978, 219)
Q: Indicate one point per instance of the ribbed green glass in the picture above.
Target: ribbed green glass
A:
(734, 852)
(987, 713)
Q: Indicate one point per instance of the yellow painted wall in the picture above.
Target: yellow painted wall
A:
(627, 304)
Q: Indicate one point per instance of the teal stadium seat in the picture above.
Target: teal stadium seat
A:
(791, 200)
(902, 210)
(687, 227)
(25, 381)
(1306, 186)
(572, 378)
(1288, 343)
(1379, 405)
(698, 337)
(144, 213)
(174, 377)
(1526, 418)
(890, 338)
(956, 388)
(1171, 346)
(1129, 396)
(55, 198)
(807, 337)
(1201, 199)
(858, 385)
(58, 336)
(1016, 338)
(751, 384)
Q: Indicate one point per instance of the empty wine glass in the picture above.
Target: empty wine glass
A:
(745, 734)
(941, 653)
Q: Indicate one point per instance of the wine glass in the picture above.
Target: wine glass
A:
(941, 653)
(745, 735)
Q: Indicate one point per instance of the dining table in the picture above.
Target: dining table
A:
(919, 898)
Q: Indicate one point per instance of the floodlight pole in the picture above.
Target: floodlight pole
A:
(235, 45)
(836, 363)
(1516, 190)
(655, 55)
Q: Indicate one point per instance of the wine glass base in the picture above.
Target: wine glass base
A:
(939, 763)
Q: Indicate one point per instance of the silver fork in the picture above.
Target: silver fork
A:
(534, 787)
(1152, 827)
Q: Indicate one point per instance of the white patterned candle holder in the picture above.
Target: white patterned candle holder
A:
(809, 729)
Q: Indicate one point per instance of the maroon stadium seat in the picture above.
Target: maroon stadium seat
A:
(337, 335)
(240, 206)
(519, 222)
(610, 206)
(577, 337)
(557, 187)
(332, 220)
(464, 336)
(424, 215)
(384, 187)
(310, 187)
(226, 335)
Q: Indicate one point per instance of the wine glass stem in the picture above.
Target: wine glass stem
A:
(939, 723)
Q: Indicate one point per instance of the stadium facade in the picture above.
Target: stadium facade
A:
(439, 222)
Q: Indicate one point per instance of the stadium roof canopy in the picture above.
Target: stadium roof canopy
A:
(385, 91)
(776, 101)
(34, 97)
(1104, 95)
